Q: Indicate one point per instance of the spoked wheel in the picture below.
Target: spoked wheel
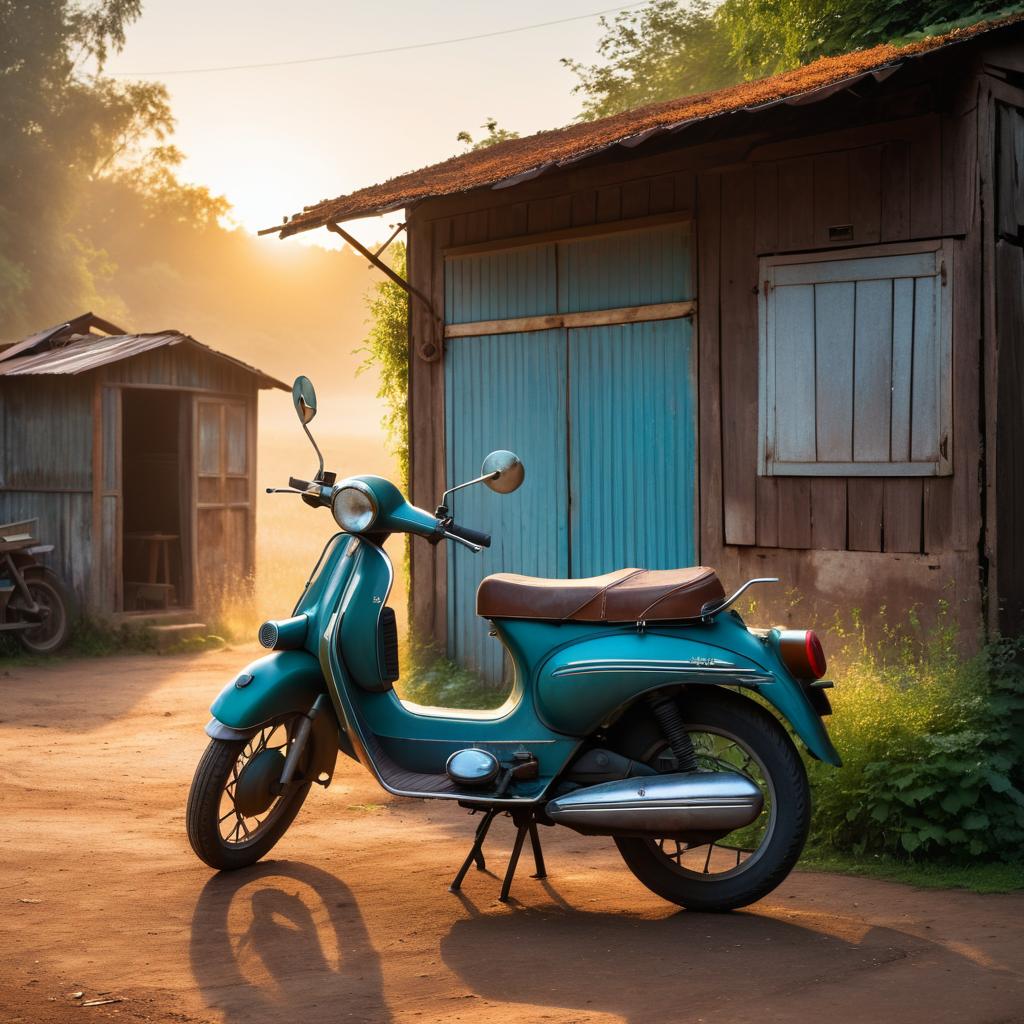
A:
(735, 735)
(235, 815)
(53, 618)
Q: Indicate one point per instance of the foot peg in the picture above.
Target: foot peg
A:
(525, 823)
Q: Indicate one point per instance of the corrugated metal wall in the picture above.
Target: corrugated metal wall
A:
(46, 468)
(511, 390)
(632, 438)
(604, 418)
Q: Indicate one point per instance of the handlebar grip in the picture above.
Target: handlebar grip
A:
(299, 485)
(473, 536)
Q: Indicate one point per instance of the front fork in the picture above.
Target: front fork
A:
(298, 745)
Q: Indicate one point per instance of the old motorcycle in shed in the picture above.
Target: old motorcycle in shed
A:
(627, 717)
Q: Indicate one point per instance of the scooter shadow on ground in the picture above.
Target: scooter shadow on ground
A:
(639, 969)
(284, 941)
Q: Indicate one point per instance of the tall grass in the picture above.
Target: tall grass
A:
(932, 743)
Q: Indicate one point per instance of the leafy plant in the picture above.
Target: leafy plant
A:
(668, 48)
(495, 134)
(386, 350)
(433, 680)
(933, 751)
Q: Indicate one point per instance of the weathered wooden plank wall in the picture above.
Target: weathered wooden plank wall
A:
(181, 366)
(904, 168)
(788, 204)
(46, 467)
(1008, 285)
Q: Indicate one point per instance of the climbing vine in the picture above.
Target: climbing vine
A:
(386, 350)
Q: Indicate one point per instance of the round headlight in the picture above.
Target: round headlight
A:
(354, 508)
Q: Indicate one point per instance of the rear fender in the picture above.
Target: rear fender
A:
(282, 683)
(590, 682)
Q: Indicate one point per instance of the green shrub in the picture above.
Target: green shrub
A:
(433, 680)
(933, 753)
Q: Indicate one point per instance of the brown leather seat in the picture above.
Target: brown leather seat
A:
(627, 595)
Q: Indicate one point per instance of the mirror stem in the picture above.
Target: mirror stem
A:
(468, 483)
(316, 448)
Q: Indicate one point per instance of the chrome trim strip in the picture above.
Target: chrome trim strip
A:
(688, 668)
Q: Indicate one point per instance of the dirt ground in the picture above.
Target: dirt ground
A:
(352, 920)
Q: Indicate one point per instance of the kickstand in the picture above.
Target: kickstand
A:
(524, 824)
(476, 852)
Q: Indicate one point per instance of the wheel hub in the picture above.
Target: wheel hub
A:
(254, 791)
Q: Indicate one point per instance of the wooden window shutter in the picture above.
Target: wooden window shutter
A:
(855, 356)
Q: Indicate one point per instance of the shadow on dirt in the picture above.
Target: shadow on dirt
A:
(746, 966)
(82, 694)
(284, 941)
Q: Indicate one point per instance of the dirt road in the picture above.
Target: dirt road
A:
(353, 922)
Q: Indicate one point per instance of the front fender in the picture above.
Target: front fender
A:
(282, 683)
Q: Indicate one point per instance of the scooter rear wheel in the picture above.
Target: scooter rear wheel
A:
(233, 817)
(731, 733)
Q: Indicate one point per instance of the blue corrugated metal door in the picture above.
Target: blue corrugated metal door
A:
(603, 417)
(632, 441)
(511, 390)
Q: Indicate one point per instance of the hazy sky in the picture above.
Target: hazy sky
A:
(276, 139)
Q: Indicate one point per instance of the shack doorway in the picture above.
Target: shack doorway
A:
(155, 442)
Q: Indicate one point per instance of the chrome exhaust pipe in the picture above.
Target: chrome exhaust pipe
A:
(683, 805)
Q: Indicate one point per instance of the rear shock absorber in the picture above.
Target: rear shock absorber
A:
(671, 722)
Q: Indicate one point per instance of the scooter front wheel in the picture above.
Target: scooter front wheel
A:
(235, 815)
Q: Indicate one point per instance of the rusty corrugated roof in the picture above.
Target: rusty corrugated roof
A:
(83, 353)
(509, 163)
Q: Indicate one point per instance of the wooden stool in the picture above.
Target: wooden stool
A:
(158, 586)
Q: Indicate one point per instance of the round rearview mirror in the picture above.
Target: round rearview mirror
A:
(504, 471)
(304, 399)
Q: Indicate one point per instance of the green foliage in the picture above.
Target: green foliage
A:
(493, 136)
(432, 680)
(933, 754)
(387, 351)
(663, 50)
(984, 876)
(67, 132)
(668, 48)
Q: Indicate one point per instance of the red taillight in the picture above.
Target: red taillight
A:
(802, 653)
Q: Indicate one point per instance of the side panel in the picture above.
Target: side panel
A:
(585, 683)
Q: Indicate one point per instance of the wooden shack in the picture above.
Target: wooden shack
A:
(775, 329)
(137, 454)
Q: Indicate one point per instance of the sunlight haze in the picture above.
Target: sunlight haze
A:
(278, 139)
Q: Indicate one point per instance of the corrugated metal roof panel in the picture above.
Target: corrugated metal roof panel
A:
(83, 354)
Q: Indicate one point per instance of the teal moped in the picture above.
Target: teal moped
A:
(642, 708)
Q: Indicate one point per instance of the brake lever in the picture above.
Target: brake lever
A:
(475, 548)
(283, 490)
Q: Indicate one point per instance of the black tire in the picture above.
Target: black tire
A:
(727, 714)
(204, 810)
(54, 632)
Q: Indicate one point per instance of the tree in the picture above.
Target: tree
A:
(69, 136)
(665, 49)
(494, 135)
(668, 49)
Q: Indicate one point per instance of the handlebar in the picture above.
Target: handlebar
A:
(465, 533)
(318, 493)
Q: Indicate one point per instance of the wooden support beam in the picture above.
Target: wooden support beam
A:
(428, 349)
(592, 318)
